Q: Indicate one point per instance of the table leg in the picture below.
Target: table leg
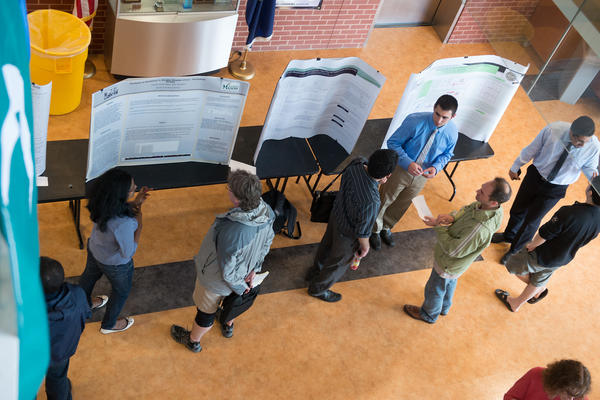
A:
(276, 186)
(449, 176)
(285, 180)
(75, 206)
(314, 188)
(307, 179)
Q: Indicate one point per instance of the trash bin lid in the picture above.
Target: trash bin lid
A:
(57, 33)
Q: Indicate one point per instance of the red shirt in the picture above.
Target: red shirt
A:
(530, 387)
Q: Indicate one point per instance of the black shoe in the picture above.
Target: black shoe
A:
(227, 330)
(386, 236)
(505, 257)
(375, 241)
(329, 296)
(499, 238)
(182, 335)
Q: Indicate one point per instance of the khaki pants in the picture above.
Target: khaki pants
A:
(396, 196)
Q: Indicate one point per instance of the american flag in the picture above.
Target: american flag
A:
(84, 8)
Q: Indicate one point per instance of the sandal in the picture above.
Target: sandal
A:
(502, 295)
(534, 300)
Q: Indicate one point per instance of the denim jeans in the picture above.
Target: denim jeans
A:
(58, 386)
(120, 278)
(438, 297)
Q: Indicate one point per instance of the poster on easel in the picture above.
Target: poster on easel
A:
(331, 97)
(483, 86)
(164, 120)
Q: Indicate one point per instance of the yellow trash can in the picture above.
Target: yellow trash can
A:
(59, 47)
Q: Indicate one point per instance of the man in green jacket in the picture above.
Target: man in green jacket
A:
(461, 237)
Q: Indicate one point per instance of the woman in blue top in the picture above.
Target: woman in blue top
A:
(114, 239)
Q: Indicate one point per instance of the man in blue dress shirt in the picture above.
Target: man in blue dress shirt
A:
(559, 152)
(425, 143)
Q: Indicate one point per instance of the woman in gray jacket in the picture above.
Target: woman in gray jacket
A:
(232, 252)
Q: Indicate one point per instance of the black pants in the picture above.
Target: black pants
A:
(58, 386)
(535, 198)
(333, 258)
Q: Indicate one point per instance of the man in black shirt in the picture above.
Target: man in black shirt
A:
(554, 246)
(350, 223)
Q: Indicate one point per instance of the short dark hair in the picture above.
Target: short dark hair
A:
(447, 103)
(502, 191)
(107, 197)
(52, 274)
(567, 376)
(246, 187)
(382, 163)
(583, 126)
(595, 187)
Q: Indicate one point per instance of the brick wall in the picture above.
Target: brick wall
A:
(494, 20)
(339, 23)
(97, 44)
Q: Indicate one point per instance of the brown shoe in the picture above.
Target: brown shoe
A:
(414, 312)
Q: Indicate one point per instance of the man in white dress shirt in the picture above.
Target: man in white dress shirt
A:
(559, 153)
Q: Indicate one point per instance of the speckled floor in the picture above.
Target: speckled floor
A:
(291, 346)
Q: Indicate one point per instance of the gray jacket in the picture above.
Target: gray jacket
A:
(236, 243)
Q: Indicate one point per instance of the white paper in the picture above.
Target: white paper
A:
(9, 374)
(42, 181)
(322, 96)
(483, 86)
(236, 165)
(164, 120)
(40, 99)
(259, 278)
(422, 207)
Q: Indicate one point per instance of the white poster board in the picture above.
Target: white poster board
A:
(40, 101)
(164, 120)
(322, 96)
(483, 86)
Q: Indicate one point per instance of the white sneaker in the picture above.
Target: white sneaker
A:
(129, 323)
(104, 299)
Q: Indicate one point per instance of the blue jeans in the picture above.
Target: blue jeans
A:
(120, 278)
(58, 386)
(438, 297)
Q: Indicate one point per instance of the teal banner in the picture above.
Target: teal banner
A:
(22, 306)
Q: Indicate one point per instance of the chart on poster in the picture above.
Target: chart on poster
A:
(483, 86)
(164, 120)
(331, 97)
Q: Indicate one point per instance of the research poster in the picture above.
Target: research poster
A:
(483, 86)
(164, 120)
(333, 97)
